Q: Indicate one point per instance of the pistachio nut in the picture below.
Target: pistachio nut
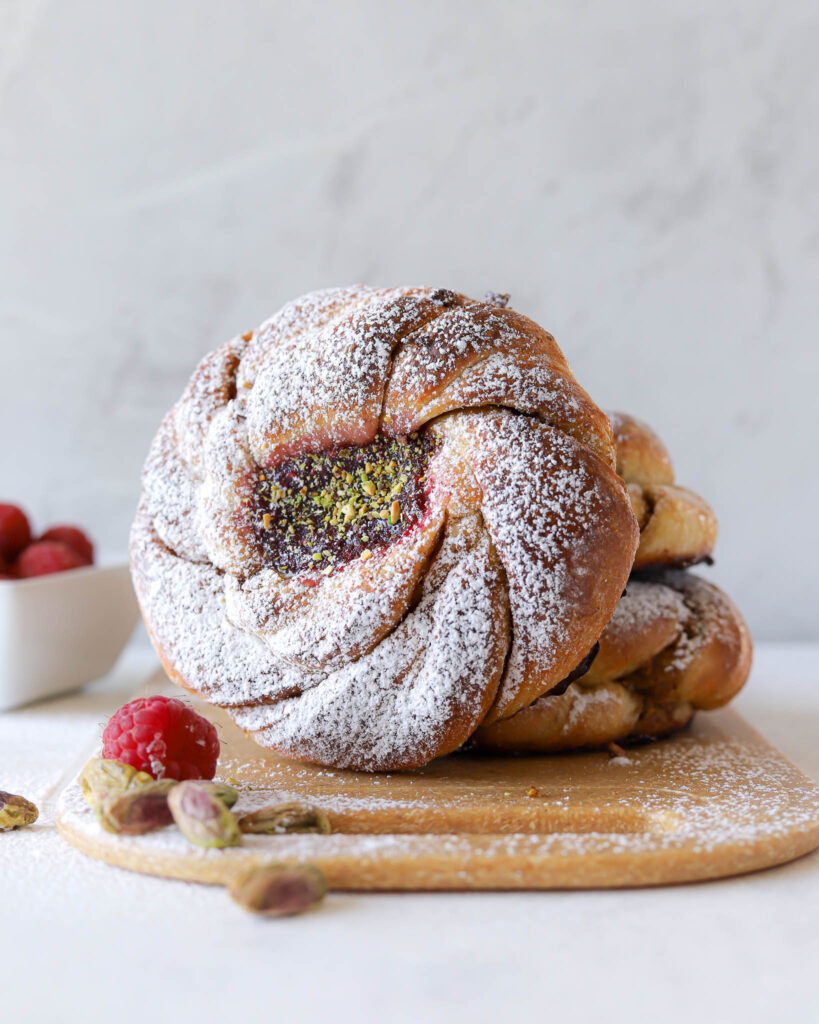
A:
(280, 819)
(221, 790)
(202, 817)
(138, 809)
(16, 811)
(103, 777)
(280, 890)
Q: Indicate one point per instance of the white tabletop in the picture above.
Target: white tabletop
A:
(82, 941)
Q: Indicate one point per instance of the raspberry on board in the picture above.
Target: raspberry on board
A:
(44, 557)
(74, 537)
(15, 531)
(164, 737)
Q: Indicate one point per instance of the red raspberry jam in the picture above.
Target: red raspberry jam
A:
(322, 510)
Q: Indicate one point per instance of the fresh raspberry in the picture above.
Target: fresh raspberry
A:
(74, 538)
(15, 532)
(164, 737)
(44, 557)
(7, 576)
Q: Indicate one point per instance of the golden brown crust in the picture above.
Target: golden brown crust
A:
(559, 604)
(306, 725)
(675, 644)
(642, 458)
(677, 527)
(485, 602)
(580, 717)
(711, 659)
(476, 355)
(648, 619)
(659, 719)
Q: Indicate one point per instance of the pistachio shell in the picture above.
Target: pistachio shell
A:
(227, 794)
(280, 890)
(280, 819)
(138, 809)
(16, 811)
(202, 817)
(103, 777)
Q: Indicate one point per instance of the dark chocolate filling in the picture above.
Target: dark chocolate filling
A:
(576, 673)
(324, 509)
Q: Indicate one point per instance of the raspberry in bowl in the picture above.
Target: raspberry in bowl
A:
(15, 532)
(63, 620)
(45, 558)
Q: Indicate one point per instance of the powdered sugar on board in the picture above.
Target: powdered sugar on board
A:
(715, 801)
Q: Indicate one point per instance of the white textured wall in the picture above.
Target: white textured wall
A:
(641, 176)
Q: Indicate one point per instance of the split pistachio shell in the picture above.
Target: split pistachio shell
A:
(222, 791)
(202, 817)
(280, 819)
(103, 777)
(137, 810)
(16, 811)
(280, 890)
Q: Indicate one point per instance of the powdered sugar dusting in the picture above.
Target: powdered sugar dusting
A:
(326, 626)
(675, 644)
(170, 495)
(481, 356)
(184, 607)
(583, 700)
(707, 615)
(357, 668)
(551, 514)
(425, 679)
(717, 801)
(326, 387)
(643, 602)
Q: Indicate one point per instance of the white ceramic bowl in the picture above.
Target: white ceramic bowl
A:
(58, 632)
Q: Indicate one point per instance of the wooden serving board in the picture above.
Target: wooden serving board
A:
(713, 801)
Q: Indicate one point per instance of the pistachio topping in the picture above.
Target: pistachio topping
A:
(324, 509)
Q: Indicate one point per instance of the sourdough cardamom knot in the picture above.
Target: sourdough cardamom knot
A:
(378, 521)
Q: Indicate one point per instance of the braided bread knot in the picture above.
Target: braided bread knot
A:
(676, 644)
(677, 526)
(379, 520)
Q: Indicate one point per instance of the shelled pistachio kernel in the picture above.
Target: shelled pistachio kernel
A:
(202, 817)
(16, 811)
(138, 809)
(102, 777)
(280, 890)
(281, 819)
